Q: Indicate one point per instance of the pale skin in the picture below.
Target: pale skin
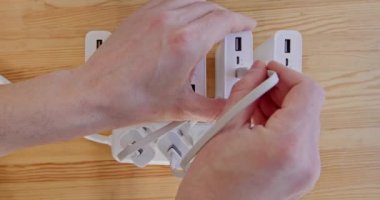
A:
(141, 75)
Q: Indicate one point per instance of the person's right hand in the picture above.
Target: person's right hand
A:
(278, 158)
(142, 72)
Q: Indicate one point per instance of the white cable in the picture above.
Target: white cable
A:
(148, 139)
(229, 115)
(99, 139)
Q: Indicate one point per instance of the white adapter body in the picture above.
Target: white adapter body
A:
(284, 47)
(235, 52)
(163, 150)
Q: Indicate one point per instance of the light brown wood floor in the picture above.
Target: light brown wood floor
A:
(341, 51)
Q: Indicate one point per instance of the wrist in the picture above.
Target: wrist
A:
(118, 106)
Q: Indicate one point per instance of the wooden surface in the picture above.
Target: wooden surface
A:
(341, 51)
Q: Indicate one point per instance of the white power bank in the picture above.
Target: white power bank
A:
(284, 47)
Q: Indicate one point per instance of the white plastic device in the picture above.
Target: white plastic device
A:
(234, 54)
(284, 47)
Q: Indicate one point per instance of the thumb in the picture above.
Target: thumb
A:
(201, 108)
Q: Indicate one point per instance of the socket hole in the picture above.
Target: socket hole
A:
(175, 149)
(237, 60)
(287, 45)
(286, 62)
(99, 43)
(238, 44)
(193, 86)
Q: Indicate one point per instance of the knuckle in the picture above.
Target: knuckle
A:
(160, 20)
(240, 86)
(180, 41)
(222, 13)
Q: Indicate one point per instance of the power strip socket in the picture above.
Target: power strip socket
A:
(233, 53)
(284, 47)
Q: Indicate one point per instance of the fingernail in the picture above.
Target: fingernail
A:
(258, 63)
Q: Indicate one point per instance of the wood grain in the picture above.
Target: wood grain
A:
(341, 51)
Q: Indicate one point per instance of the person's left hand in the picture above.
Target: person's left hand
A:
(141, 73)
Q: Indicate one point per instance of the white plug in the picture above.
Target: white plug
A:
(233, 56)
(284, 47)
(124, 137)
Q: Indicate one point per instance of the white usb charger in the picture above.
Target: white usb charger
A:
(284, 47)
(233, 57)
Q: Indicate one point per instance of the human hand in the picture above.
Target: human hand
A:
(142, 72)
(278, 158)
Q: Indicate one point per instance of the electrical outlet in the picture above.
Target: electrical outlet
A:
(284, 47)
(234, 53)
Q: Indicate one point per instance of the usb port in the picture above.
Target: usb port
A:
(287, 45)
(238, 44)
(193, 86)
(99, 43)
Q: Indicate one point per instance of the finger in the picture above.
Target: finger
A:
(267, 105)
(251, 80)
(211, 28)
(259, 117)
(288, 79)
(201, 108)
(301, 106)
(195, 10)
